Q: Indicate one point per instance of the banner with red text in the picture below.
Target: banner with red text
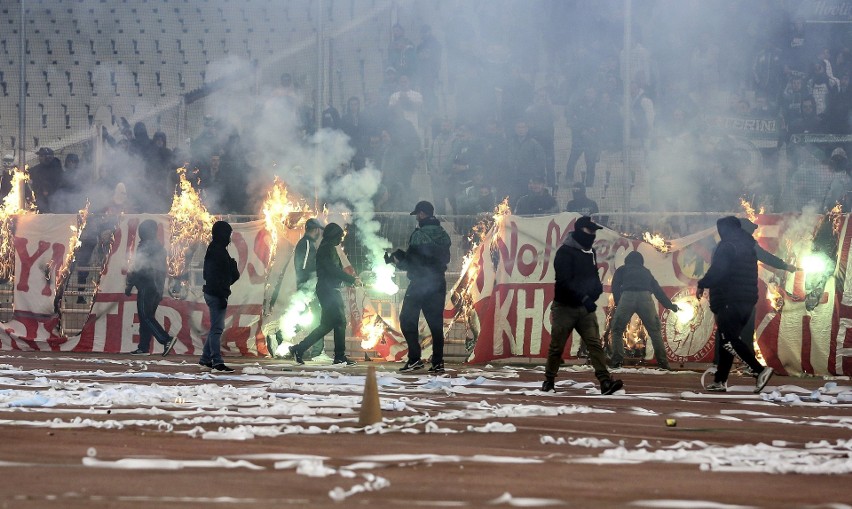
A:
(504, 295)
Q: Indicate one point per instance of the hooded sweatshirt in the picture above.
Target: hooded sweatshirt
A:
(220, 270)
(577, 278)
(763, 255)
(330, 273)
(149, 263)
(633, 276)
(428, 252)
(732, 276)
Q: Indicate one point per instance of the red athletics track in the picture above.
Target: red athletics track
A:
(44, 466)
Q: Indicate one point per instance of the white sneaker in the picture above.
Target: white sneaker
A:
(763, 379)
(321, 359)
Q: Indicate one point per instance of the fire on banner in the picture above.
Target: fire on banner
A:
(504, 295)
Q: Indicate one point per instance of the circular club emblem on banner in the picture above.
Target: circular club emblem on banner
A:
(687, 334)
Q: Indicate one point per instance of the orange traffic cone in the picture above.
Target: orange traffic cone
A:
(371, 409)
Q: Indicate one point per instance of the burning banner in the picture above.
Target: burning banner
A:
(505, 292)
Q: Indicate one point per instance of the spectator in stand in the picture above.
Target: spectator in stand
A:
(808, 121)
(768, 71)
(610, 125)
(330, 118)
(821, 85)
(466, 146)
(70, 198)
(580, 203)
(46, 179)
(478, 197)
(440, 159)
(140, 145)
(428, 67)
(798, 49)
(407, 100)
(825, 58)
(351, 124)
(163, 164)
(584, 121)
(538, 201)
(526, 161)
(839, 107)
(459, 179)
(389, 86)
(399, 160)
(642, 114)
(516, 96)
(6, 177)
(791, 100)
(540, 116)
(841, 182)
(402, 55)
(492, 149)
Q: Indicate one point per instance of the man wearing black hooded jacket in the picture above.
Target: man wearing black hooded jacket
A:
(632, 286)
(766, 258)
(732, 281)
(578, 286)
(330, 276)
(148, 275)
(220, 272)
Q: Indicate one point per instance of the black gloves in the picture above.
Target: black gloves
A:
(589, 304)
(388, 258)
(128, 290)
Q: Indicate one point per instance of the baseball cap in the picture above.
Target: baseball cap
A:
(312, 224)
(45, 151)
(586, 222)
(425, 207)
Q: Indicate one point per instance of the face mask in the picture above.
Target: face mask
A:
(584, 239)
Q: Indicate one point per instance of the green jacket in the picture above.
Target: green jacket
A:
(428, 251)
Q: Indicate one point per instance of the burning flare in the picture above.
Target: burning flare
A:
(373, 327)
(191, 224)
(74, 243)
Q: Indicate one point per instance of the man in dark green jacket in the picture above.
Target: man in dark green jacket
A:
(330, 276)
(578, 286)
(426, 262)
(632, 286)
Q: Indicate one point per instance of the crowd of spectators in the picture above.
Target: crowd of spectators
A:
(481, 120)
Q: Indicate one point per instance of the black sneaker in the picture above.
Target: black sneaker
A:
(139, 352)
(222, 368)
(549, 385)
(205, 366)
(296, 355)
(412, 366)
(616, 365)
(437, 368)
(167, 348)
(610, 386)
(343, 363)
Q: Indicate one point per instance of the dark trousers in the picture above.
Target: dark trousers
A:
(427, 296)
(592, 152)
(316, 312)
(212, 352)
(147, 301)
(730, 321)
(747, 336)
(332, 318)
(639, 303)
(563, 320)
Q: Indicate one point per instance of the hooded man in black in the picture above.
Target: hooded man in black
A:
(148, 275)
(766, 258)
(732, 281)
(578, 286)
(220, 272)
(330, 276)
(632, 286)
(426, 262)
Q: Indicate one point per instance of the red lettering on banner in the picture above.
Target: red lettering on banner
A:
(27, 261)
(507, 253)
(553, 241)
(526, 269)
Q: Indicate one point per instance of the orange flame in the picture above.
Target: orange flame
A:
(279, 210)
(191, 224)
(836, 215)
(749, 210)
(9, 208)
(656, 240)
(74, 243)
(373, 327)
